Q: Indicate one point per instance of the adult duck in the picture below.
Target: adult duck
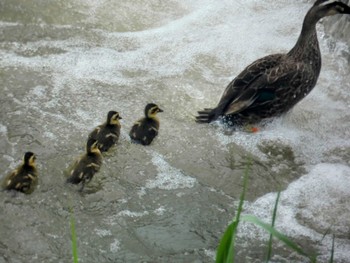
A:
(274, 84)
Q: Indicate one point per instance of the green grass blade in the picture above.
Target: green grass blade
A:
(242, 197)
(74, 238)
(225, 252)
(269, 247)
(277, 234)
(332, 252)
(327, 232)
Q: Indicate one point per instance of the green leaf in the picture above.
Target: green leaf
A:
(225, 251)
(74, 238)
(275, 233)
(332, 252)
(269, 247)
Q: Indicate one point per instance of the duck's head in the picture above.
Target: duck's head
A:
(92, 146)
(29, 159)
(323, 8)
(113, 117)
(151, 110)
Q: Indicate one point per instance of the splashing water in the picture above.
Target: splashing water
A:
(65, 64)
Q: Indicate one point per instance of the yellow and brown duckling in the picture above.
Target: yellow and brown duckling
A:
(107, 134)
(146, 129)
(88, 164)
(25, 177)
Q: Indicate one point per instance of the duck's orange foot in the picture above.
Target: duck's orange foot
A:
(251, 129)
(254, 129)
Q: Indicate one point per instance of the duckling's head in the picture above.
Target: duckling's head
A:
(151, 110)
(92, 146)
(113, 117)
(29, 159)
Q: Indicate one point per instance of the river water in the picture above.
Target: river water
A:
(65, 64)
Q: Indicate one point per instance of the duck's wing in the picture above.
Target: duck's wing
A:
(95, 133)
(20, 180)
(10, 179)
(136, 127)
(238, 88)
(75, 170)
(286, 79)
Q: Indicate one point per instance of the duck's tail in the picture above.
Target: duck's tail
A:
(206, 116)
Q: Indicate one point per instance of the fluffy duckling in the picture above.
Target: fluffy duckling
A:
(146, 129)
(107, 134)
(89, 164)
(25, 177)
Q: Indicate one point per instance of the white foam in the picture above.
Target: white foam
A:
(103, 232)
(115, 218)
(115, 246)
(3, 128)
(168, 177)
(210, 253)
(132, 214)
(178, 42)
(311, 138)
(142, 192)
(39, 91)
(160, 211)
(308, 207)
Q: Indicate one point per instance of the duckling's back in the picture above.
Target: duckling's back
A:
(85, 168)
(106, 136)
(24, 179)
(145, 130)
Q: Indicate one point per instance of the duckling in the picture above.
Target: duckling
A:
(146, 129)
(88, 164)
(107, 134)
(25, 177)
(274, 84)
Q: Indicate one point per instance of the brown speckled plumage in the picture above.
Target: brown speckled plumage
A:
(274, 84)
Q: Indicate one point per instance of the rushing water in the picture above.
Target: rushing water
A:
(65, 64)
